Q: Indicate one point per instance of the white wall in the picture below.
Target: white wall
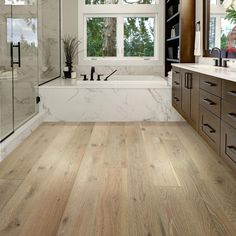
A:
(72, 26)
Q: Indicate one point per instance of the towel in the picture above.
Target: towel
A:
(197, 49)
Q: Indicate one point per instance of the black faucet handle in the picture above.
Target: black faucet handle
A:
(216, 62)
(85, 76)
(99, 77)
(225, 62)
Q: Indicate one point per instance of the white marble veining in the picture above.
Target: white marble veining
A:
(219, 72)
(82, 103)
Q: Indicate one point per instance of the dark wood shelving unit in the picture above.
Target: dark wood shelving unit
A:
(180, 14)
(173, 39)
(172, 17)
(173, 60)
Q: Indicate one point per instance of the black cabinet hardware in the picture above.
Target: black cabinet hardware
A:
(232, 116)
(189, 81)
(176, 99)
(232, 93)
(209, 102)
(177, 83)
(209, 83)
(211, 130)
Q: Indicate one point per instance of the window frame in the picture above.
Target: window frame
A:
(120, 40)
(122, 11)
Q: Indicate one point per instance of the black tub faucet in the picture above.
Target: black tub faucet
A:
(92, 73)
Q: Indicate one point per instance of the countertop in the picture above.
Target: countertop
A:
(219, 72)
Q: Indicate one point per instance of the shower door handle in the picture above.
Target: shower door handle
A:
(19, 54)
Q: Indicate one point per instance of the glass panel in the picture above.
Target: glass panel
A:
(6, 86)
(139, 36)
(89, 2)
(49, 35)
(25, 39)
(101, 37)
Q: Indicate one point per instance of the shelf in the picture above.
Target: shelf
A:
(172, 17)
(173, 39)
(173, 60)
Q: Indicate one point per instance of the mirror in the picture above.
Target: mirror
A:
(220, 27)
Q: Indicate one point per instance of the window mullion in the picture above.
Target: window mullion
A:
(120, 36)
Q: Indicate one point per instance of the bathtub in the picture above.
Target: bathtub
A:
(121, 81)
(120, 99)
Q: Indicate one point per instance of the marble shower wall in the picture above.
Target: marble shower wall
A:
(49, 39)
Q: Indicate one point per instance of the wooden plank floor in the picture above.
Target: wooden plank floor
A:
(116, 179)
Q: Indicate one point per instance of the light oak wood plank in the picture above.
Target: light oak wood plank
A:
(14, 215)
(80, 212)
(116, 179)
(7, 190)
(18, 164)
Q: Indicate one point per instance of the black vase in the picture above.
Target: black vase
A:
(67, 74)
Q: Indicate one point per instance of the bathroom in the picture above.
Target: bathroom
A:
(117, 117)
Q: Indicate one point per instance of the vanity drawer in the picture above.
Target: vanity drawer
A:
(228, 143)
(229, 91)
(229, 113)
(210, 102)
(210, 84)
(210, 128)
(176, 97)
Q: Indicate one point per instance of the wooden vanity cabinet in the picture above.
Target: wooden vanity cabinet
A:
(228, 122)
(209, 105)
(186, 95)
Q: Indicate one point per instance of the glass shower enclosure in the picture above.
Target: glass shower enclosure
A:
(18, 63)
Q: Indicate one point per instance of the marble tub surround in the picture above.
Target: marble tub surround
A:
(228, 73)
(78, 101)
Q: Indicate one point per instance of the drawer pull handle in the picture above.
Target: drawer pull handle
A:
(176, 99)
(232, 149)
(211, 130)
(232, 116)
(209, 102)
(176, 72)
(177, 83)
(209, 83)
(232, 93)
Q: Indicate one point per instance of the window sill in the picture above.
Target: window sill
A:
(121, 62)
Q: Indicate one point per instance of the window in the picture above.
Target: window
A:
(101, 37)
(127, 31)
(139, 36)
